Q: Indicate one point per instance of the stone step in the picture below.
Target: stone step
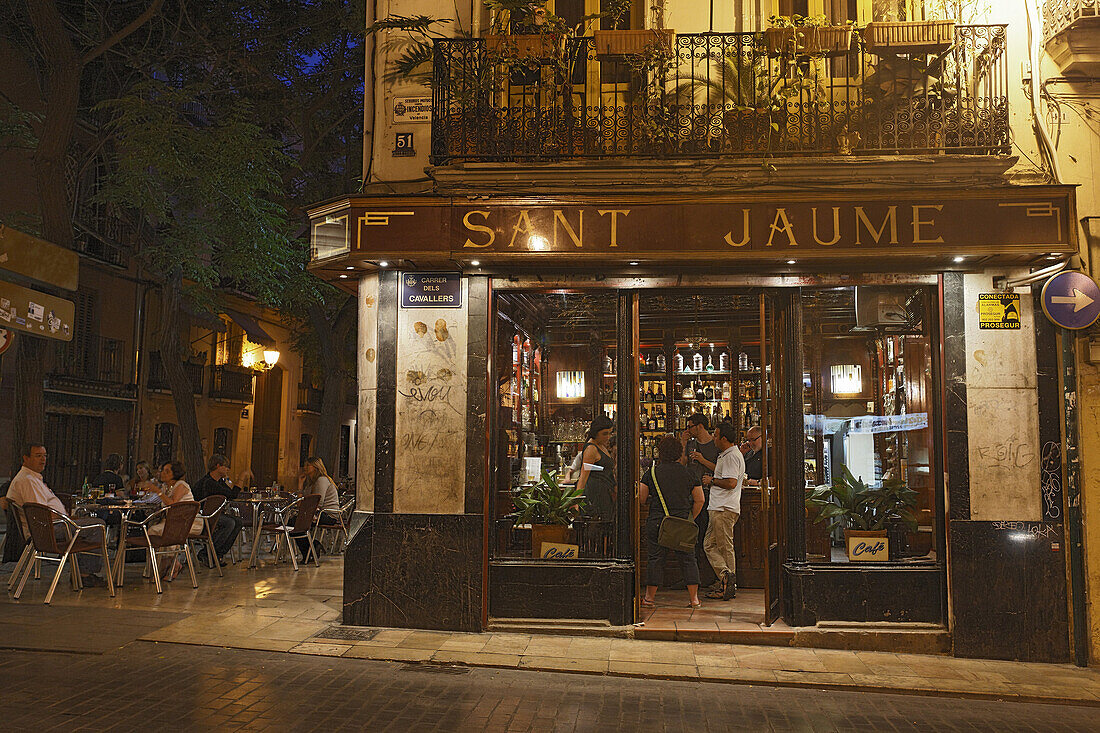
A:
(914, 639)
(558, 626)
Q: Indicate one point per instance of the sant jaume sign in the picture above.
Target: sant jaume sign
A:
(997, 222)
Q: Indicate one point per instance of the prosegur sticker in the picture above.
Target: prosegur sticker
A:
(999, 311)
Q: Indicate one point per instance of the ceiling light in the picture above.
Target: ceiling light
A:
(634, 263)
(958, 259)
(349, 267)
(1052, 257)
(383, 263)
(343, 277)
(790, 262)
(475, 263)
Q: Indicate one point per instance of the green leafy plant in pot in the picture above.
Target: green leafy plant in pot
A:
(548, 507)
(861, 509)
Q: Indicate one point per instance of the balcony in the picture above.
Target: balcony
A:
(1071, 29)
(231, 383)
(309, 398)
(92, 365)
(158, 379)
(720, 95)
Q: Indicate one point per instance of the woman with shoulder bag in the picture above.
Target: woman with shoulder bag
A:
(673, 494)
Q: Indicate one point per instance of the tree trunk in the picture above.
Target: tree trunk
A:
(173, 328)
(335, 384)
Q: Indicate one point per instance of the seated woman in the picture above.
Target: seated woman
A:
(175, 490)
(683, 497)
(314, 479)
(142, 482)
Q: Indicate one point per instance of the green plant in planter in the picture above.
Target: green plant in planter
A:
(850, 503)
(548, 502)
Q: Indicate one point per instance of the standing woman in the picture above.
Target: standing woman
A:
(597, 479)
(683, 497)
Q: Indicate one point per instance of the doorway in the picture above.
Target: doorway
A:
(266, 428)
(707, 359)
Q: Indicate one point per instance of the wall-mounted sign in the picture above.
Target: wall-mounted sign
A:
(38, 259)
(865, 547)
(39, 314)
(403, 145)
(1071, 300)
(7, 338)
(431, 290)
(999, 311)
(555, 551)
(412, 109)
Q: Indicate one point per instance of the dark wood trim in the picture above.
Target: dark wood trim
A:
(954, 405)
(795, 469)
(386, 407)
(491, 417)
(626, 414)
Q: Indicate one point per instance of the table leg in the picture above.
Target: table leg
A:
(255, 535)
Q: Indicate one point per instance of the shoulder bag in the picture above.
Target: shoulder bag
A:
(674, 533)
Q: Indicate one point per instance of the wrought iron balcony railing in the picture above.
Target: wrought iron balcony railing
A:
(309, 398)
(720, 95)
(1058, 15)
(92, 359)
(158, 379)
(231, 383)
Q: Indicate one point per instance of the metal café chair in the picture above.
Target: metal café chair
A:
(305, 512)
(44, 546)
(15, 525)
(338, 530)
(172, 540)
(212, 508)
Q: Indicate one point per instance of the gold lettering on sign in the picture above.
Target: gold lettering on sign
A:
(787, 228)
(891, 220)
(836, 227)
(918, 223)
(744, 230)
(478, 228)
(614, 222)
(525, 220)
(576, 236)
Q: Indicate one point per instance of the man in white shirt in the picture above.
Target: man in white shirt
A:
(28, 487)
(723, 510)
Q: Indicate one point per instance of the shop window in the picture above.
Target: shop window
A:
(164, 443)
(222, 439)
(556, 362)
(305, 442)
(868, 417)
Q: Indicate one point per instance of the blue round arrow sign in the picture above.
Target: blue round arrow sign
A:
(1071, 300)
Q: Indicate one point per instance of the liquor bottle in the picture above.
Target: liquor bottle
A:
(708, 393)
(652, 421)
(724, 360)
(661, 363)
(710, 361)
(661, 392)
(678, 362)
(84, 490)
(647, 396)
(697, 361)
(689, 391)
(660, 418)
(700, 394)
(725, 390)
(748, 419)
(743, 361)
(608, 364)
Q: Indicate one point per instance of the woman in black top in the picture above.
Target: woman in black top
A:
(684, 498)
(598, 485)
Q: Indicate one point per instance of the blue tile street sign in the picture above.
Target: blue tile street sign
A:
(1071, 300)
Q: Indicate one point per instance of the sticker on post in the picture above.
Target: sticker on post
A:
(999, 311)
(35, 312)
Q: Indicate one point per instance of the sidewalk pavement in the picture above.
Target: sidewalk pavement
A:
(276, 609)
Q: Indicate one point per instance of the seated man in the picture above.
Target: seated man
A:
(110, 476)
(216, 482)
(28, 487)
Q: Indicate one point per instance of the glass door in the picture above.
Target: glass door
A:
(773, 369)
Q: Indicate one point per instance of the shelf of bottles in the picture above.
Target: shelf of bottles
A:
(892, 387)
(609, 383)
(520, 395)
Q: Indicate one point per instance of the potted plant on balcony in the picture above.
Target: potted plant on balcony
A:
(864, 512)
(623, 41)
(914, 37)
(798, 35)
(525, 31)
(549, 508)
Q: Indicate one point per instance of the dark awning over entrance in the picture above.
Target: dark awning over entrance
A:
(253, 330)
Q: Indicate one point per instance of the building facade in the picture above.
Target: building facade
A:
(837, 234)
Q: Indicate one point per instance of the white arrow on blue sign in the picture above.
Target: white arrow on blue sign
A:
(1071, 300)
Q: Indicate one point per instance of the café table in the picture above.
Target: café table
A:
(262, 503)
(125, 508)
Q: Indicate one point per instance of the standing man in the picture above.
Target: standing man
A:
(752, 449)
(28, 487)
(216, 482)
(724, 509)
(701, 454)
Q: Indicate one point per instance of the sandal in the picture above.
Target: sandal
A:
(695, 605)
(648, 604)
(173, 573)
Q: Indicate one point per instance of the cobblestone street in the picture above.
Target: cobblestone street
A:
(168, 687)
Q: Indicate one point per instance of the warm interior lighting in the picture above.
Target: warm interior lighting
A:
(846, 379)
(570, 385)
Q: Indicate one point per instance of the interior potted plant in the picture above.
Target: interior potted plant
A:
(621, 41)
(549, 508)
(864, 511)
(799, 35)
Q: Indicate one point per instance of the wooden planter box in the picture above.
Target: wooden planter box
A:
(524, 46)
(632, 42)
(909, 37)
(833, 40)
(555, 533)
